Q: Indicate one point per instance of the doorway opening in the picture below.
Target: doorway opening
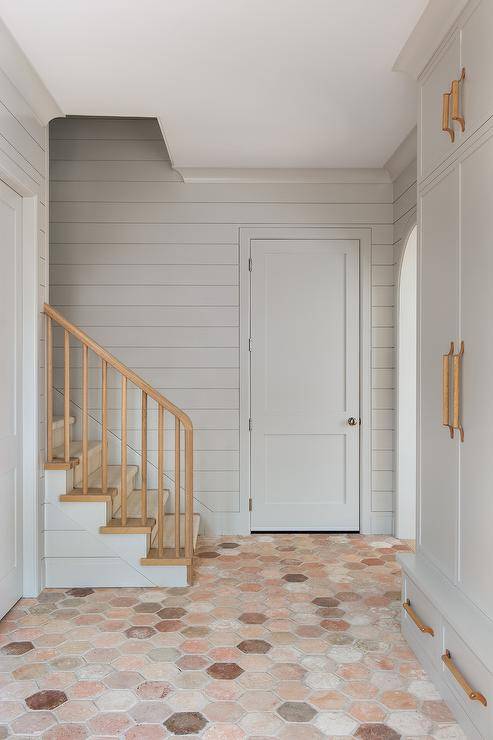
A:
(406, 397)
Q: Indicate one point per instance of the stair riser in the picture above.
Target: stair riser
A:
(93, 463)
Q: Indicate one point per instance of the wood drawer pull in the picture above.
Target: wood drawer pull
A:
(417, 621)
(473, 695)
(457, 364)
(446, 116)
(446, 389)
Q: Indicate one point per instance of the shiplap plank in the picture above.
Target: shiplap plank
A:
(167, 379)
(12, 130)
(108, 149)
(173, 336)
(144, 254)
(176, 192)
(113, 171)
(162, 213)
(20, 110)
(144, 295)
(150, 316)
(191, 398)
(137, 357)
(125, 233)
(123, 275)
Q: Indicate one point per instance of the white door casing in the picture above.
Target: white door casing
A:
(305, 384)
(10, 398)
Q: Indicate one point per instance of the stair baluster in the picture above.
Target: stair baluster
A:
(123, 484)
(188, 492)
(85, 418)
(143, 461)
(160, 475)
(66, 396)
(104, 426)
(177, 487)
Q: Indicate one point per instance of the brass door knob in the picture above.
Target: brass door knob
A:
(352, 421)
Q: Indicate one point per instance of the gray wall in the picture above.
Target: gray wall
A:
(148, 265)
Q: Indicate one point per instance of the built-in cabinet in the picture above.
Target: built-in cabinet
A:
(448, 583)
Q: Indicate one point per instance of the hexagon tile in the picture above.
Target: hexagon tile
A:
(281, 636)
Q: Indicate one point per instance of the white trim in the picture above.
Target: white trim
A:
(435, 22)
(280, 175)
(363, 235)
(405, 241)
(405, 153)
(24, 77)
(31, 524)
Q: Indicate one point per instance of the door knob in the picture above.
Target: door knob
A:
(352, 421)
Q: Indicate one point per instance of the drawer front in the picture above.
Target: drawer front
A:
(477, 58)
(422, 618)
(436, 144)
(471, 674)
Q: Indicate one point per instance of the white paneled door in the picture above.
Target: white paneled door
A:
(10, 398)
(305, 384)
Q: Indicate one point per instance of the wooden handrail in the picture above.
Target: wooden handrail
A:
(123, 369)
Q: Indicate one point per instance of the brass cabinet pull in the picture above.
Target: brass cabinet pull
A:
(473, 695)
(457, 363)
(446, 389)
(417, 621)
(446, 115)
(456, 116)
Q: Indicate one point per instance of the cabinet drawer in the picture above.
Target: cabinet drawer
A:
(422, 618)
(471, 675)
(477, 58)
(436, 144)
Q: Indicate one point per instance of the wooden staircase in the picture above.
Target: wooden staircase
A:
(103, 525)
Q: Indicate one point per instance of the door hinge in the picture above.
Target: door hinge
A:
(250, 504)
(250, 344)
(250, 425)
(250, 264)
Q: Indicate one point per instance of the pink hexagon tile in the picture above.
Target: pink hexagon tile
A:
(281, 636)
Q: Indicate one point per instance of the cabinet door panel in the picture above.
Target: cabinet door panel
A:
(477, 58)
(436, 145)
(438, 326)
(476, 499)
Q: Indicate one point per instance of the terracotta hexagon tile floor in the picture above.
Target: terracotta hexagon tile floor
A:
(281, 636)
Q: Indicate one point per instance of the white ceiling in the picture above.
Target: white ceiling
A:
(235, 83)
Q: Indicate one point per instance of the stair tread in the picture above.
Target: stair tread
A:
(133, 526)
(58, 422)
(75, 449)
(169, 529)
(133, 502)
(114, 477)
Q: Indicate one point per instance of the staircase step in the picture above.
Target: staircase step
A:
(169, 537)
(58, 429)
(133, 526)
(92, 495)
(93, 458)
(167, 557)
(134, 503)
(114, 477)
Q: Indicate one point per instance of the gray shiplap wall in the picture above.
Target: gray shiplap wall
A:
(148, 265)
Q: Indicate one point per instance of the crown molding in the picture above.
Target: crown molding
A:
(282, 175)
(435, 22)
(405, 153)
(24, 77)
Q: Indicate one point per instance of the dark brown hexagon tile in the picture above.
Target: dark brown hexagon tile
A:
(348, 596)
(139, 633)
(254, 646)
(185, 723)
(169, 625)
(171, 612)
(325, 601)
(228, 545)
(17, 648)
(224, 671)
(296, 711)
(295, 578)
(147, 607)
(208, 554)
(46, 699)
(376, 732)
(252, 618)
(80, 592)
